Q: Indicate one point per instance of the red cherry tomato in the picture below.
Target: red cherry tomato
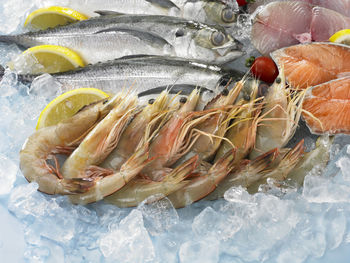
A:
(241, 2)
(264, 69)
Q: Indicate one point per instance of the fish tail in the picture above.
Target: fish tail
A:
(7, 39)
(2, 72)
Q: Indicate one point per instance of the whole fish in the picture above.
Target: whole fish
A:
(206, 11)
(144, 73)
(112, 36)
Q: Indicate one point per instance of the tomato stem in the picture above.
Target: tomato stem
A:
(249, 61)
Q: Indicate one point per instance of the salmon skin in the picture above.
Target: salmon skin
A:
(328, 107)
(308, 65)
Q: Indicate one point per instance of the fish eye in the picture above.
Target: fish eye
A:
(180, 32)
(217, 38)
(228, 15)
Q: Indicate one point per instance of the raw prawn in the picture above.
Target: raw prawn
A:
(45, 143)
(108, 181)
(202, 185)
(215, 125)
(175, 138)
(317, 157)
(281, 167)
(242, 132)
(247, 173)
(140, 189)
(133, 134)
(279, 118)
(101, 140)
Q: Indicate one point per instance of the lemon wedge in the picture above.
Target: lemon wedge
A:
(52, 59)
(53, 16)
(67, 104)
(342, 37)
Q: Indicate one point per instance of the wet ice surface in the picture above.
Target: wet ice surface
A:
(290, 226)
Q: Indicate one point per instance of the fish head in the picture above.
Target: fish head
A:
(221, 45)
(212, 37)
(220, 13)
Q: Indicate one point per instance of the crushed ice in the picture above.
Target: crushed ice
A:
(269, 226)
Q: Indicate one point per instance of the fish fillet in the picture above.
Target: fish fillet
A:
(329, 103)
(312, 64)
(282, 24)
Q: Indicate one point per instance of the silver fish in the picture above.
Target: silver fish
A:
(99, 46)
(112, 36)
(206, 11)
(144, 73)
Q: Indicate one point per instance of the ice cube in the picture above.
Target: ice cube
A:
(8, 171)
(8, 84)
(26, 202)
(36, 254)
(218, 225)
(202, 251)
(8, 53)
(335, 223)
(323, 190)
(45, 86)
(344, 164)
(128, 243)
(238, 195)
(158, 216)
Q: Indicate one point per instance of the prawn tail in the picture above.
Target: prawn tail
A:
(77, 185)
(264, 160)
(294, 155)
(137, 161)
(225, 164)
(182, 171)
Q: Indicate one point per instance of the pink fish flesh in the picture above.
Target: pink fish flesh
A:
(341, 6)
(282, 24)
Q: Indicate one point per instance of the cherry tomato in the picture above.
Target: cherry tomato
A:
(241, 2)
(264, 69)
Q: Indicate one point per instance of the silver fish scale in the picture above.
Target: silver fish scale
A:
(142, 73)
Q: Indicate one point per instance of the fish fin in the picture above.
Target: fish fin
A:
(108, 12)
(136, 56)
(167, 4)
(183, 89)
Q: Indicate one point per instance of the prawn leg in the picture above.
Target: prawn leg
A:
(280, 171)
(246, 174)
(48, 141)
(201, 186)
(138, 190)
(111, 182)
(101, 140)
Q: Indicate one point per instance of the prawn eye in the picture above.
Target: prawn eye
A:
(228, 15)
(225, 92)
(217, 38)
(180, 32)
(183, 100)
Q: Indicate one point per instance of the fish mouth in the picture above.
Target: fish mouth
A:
(230, 52)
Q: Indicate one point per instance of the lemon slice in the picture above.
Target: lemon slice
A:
(52, 58)
(53, 16)
(67, 104)
(342, 37)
